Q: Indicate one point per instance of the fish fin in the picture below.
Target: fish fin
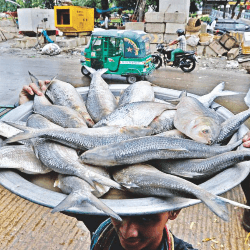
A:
(235, 203)
(102, 71)
(93, 71)
(103, 207)
(70, 201)
(228, 92)
(51, 81)
(175, 149)
(34, 79)
(218, 206)
(247, 98)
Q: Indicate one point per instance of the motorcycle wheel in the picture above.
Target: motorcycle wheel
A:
(157, 61)
(131, 79)
(191, 66)
(85, 71)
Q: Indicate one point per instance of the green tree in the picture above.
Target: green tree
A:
(154, 4)
(126, 4)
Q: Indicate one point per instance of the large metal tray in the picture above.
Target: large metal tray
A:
(219, 184)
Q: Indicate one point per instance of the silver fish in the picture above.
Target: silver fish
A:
(64, 94)
(151, 147)
(138, 114)
(196, 169)
(163, 122)
(232, 124)
(23, 158)
(62, 159)
(148, 181)
(174, 133)
(82, 138)
(79, 191)
(196, 121)
(137, 92)
(100, 101)
(61, 115)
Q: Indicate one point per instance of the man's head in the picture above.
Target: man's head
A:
(216, 19)
(180, 32)
(138, 232)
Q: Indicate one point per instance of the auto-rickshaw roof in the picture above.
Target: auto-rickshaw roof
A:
(135, 35)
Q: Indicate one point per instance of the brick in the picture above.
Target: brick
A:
(203, 28)
(7, 23)
(26, 42)
(154, 17)
(7, 35)
(68, 43)
(155, 27)
(172, 27)
(156, 37)
(169, 37)
(10, 29)
(217, 47)
(232, 53)
(201, 50)
(134, 26)
(175, 17)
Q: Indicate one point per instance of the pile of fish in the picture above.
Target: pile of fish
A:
(134, 142)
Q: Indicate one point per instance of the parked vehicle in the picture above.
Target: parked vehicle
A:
(125, 53)
(228, 25)
(186, 61)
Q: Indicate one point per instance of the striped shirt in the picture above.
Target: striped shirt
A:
(182, 43)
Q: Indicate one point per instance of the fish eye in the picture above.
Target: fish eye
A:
(205, 131)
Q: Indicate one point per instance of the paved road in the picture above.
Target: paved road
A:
(14, 74)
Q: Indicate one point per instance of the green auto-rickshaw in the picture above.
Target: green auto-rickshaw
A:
(122, 52)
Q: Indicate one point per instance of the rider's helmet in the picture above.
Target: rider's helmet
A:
(180, 32)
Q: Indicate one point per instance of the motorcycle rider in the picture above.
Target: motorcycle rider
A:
(182, 44)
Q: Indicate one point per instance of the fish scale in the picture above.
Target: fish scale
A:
(151, 147)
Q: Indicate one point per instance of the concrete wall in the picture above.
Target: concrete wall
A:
(171, 6)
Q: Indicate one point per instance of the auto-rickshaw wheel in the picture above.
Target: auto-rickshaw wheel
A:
(131, 79)
(85, 71)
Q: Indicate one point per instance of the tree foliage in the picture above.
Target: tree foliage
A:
(126, 4)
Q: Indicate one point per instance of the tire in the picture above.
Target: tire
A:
(131, 79)
(84, 71)
(191, 66)
(157, 61)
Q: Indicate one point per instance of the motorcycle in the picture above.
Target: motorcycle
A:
(186, 61)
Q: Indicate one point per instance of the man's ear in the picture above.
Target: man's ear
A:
(174, 214)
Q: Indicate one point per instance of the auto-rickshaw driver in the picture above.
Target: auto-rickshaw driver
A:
(125, 53)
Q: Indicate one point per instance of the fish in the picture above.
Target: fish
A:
(208, 99)
(79, 191)
(174, 133)
(138, 114)
(60, 115)
(64, 94)
(62, 159)
(163, 122)
(23, 158)
(232, 124)
(137, 92)
(83, 139)
(146, 180)
(199, 169)
(151, 147)
(196, 121)
(100, 100)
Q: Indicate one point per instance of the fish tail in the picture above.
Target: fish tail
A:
(247, 98)
(34, 79)
(70, 201)
(217, 206)
(103, 207)
(100, 179)
(235, 203)
(27, 134)
(93, 71)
